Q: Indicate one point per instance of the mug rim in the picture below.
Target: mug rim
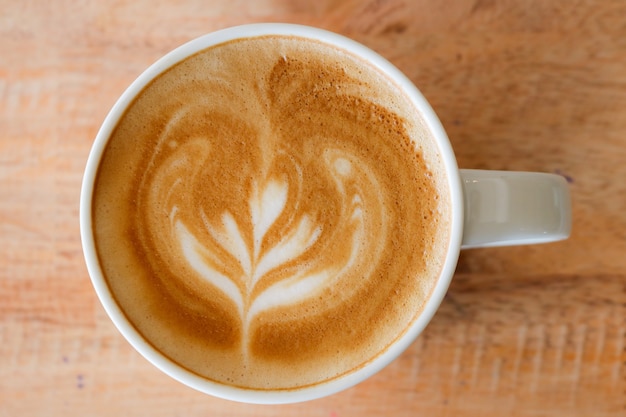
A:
(324, 388)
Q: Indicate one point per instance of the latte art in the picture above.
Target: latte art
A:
(271, 223)
(254, 267)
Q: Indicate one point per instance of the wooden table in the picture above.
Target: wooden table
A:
(521, 85)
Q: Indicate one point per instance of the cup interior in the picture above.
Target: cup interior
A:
(261, 396)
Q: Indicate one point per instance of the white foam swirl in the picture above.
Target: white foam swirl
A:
(265, 206)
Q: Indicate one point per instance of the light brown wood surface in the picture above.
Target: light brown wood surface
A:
(521, 85)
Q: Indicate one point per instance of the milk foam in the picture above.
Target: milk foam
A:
(266, 204)
(271, 222)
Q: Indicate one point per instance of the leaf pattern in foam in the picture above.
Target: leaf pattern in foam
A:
(294, 244)
(301, 286)
(265, 208)
(230, 238)
(197, 256)
(266, 205)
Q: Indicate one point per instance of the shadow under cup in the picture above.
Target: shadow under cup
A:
(277, 231)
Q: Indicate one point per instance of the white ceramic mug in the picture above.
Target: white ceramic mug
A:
(489, 208)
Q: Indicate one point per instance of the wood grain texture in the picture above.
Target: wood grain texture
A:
(521, 85)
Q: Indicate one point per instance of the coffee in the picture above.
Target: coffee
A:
(271, 213)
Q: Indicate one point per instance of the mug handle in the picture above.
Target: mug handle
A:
(504, 208)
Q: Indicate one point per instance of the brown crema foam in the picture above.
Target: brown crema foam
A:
(271, 213)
